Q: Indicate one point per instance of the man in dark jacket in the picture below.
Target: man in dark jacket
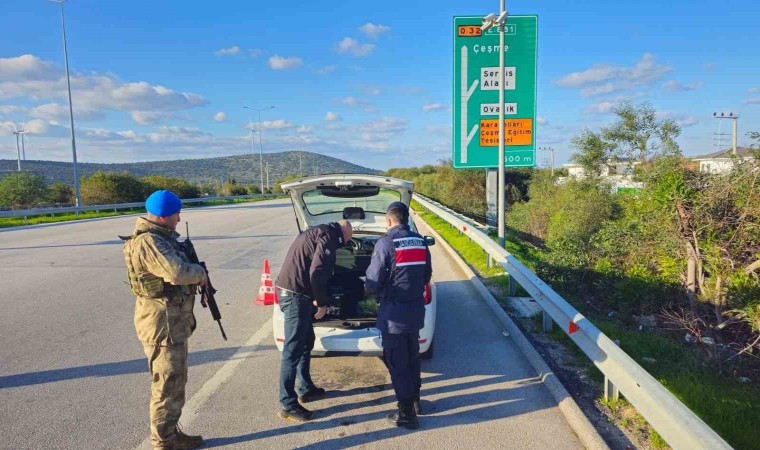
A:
(302, 286)
(397, 275)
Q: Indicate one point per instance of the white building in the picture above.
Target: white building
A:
(621, 168)
(618, 174)
(721, 161)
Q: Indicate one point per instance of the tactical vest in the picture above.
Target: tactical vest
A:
(142, 284)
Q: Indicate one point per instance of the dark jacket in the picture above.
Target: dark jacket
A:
(310, 262)
(397, 275)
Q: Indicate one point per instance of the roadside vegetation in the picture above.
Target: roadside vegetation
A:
(669, 269)
(25, 190)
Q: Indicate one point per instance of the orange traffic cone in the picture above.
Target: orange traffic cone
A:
(267, 295)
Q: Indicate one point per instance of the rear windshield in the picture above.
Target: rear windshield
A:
(334, 200)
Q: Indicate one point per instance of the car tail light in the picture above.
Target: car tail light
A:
(428, 294)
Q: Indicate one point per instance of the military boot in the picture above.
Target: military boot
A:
(181, 441)
(405, 417)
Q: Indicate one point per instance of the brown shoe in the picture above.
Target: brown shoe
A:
(181, 441)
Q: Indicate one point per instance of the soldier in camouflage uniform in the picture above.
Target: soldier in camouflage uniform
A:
(164, 282)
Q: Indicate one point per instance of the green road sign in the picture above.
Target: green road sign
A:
(476, 93)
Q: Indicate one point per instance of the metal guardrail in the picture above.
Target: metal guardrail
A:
(97, 208)
(674, 421)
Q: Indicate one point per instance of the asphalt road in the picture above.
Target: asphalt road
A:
(73, 375)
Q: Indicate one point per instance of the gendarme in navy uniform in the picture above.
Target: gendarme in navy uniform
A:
(397, 275)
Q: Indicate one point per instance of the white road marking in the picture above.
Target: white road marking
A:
(192, 406)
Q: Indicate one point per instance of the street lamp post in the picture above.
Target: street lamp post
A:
(77, 192)
(261, 143)
(489, 22)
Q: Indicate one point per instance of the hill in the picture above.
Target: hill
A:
(243, 168)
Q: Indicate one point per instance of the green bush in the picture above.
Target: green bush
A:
(61, 193)
(181, 187)
(104, 188)
(22, 190)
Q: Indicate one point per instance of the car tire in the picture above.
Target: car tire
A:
(429, 353)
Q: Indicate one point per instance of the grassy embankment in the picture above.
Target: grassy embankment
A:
(732, 409)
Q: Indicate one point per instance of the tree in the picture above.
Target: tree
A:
(61, 193)
(592, 152)
(181, 187)
(104, 188)
(637, 134)
(22, 190)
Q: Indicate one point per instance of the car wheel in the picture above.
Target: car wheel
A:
(429, 353)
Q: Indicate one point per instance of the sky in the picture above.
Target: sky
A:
(368, 82)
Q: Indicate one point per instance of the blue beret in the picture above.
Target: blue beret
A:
(163, 203)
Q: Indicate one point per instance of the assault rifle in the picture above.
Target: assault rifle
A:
(207, 291)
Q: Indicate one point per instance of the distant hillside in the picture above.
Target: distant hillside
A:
(243, 168)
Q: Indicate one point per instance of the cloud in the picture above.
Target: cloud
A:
(279, 124)
(541, 120)
(681, 119)
(752, 101)
(374, 31)
(675, 86)
(332, 117)
(371, 90)
(753, 90)
(353, 47)
(384, 127)
(277, 62)
(147, 117)
(601, 107)
(27, 67)
(235, 50)
(220, 117)
(28, 77)
(325, 70)
(255, 52)
(709, 67)
(428, 107)
(602, 79)
(353, 102)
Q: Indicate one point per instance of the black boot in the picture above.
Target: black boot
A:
(417, 406)
(405, 417)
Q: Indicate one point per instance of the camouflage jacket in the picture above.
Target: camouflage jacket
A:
(164, 282)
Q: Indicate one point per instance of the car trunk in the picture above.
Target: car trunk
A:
(347, 288)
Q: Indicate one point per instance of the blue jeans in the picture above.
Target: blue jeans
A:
(296, 353)
(401, 353)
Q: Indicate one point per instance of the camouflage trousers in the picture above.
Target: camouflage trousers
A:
(168, 369)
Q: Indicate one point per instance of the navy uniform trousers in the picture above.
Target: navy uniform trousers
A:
(401, 353)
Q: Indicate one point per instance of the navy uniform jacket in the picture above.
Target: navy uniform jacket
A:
(397, 275)
(310, 262)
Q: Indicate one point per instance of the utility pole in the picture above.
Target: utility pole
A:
(549, 149)
(268, 187)
(734, 118)
(77, 192)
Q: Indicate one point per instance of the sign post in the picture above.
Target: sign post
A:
(474, 55)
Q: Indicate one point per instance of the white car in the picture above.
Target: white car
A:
(361, 199)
